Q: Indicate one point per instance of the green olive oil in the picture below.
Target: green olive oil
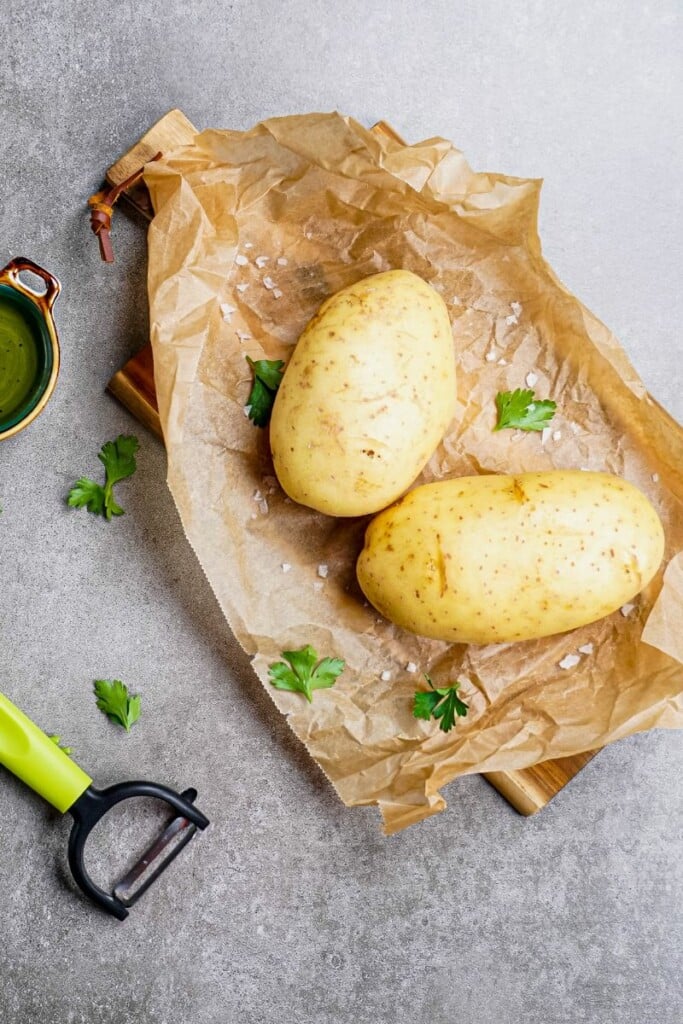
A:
(22, 359)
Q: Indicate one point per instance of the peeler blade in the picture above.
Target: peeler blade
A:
(156, 857)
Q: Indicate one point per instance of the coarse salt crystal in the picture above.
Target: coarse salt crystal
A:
(516, 308)
(242, 287)
(586, 649)
(241, 260)
(557, 435)
(512, 319)
(248, 245)
(456, 301)
(276, 293)
(655, 478)
(626, 609)
(261, 261)
(502, 362)
(247, 410)
(323, 571)
(268, 283)
(227, 310)
(385, 677)
(491, 356)
(530, 379)
(569, 661)
(243, 336)
(545, 434)
(575, 428)
(281, 261)
(285, 567)
(411, 667)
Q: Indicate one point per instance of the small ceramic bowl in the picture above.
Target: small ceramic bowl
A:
(29, 346)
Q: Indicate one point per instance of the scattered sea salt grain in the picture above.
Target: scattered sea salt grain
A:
(456, 301)
(281, 261)
(491, 356)
(626, 609)
(277, 294)
(261, 261)
(248, 245)
(586, 649)
(516, 308)
(247, 410)
(557, 435)
(575, 428)
(241, 260)
(411, 667)
(655, 478)
(285, 567)
(385, 677)
(227, 311)
(260, 501)
(502, 362)
(545, 434)
(243, 336)
(512, 319)
(268, 283)
(242, 287)
(530, 379)
(323, 571)
(569, 661)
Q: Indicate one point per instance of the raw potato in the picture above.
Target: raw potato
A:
(490, 559)
(366, 397)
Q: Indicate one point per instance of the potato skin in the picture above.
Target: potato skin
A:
(493, 559)
(366, 397)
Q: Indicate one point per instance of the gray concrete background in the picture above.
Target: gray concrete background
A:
(292, 909)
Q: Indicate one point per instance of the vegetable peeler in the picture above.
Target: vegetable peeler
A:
(35, 759)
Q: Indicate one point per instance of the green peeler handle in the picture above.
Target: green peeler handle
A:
(32, 756)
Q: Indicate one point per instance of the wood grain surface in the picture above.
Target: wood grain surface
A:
(527, 790)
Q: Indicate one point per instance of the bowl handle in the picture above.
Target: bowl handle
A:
(45, 299)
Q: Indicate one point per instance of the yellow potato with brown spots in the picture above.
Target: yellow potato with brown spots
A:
(366, 397)
(492, 559)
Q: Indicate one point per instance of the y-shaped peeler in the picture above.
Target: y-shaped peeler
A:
(32, 756)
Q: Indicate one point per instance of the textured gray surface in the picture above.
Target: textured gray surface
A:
(292, 909)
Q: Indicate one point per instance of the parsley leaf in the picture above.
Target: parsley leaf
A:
(89, 494)
(267, 377)
(118, 459)
(521, 410)
(114, 700)
(441, 703)
(302, 674)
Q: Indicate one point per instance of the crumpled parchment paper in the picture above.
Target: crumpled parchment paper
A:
(252, 231)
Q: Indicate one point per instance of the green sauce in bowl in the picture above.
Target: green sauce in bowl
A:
(26, 357)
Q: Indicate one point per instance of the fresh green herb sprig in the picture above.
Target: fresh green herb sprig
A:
(267, 378)
(116, 703)
(521, 411)
(302, 672)
(118, 459)
(441, 703)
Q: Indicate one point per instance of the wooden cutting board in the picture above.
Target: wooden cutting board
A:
(529, 789)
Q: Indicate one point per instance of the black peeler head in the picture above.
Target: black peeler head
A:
(91, 807)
